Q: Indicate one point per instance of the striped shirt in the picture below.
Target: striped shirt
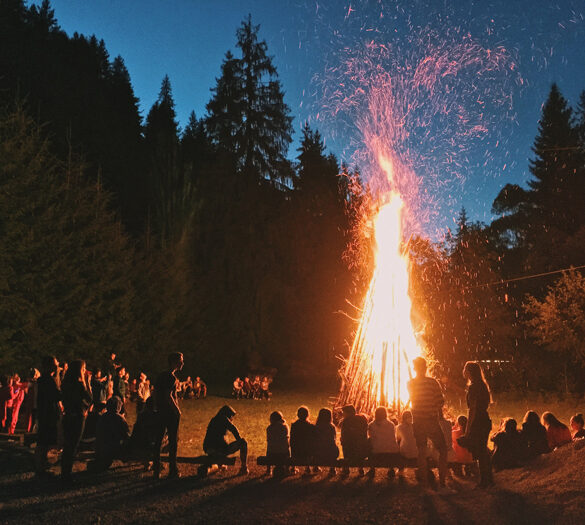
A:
(426, 397)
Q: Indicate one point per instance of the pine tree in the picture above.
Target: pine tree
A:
(247, 115)
(65, 264)
(171, 195)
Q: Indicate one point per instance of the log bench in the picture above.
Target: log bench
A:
(205, 462)
(23, 438)
(343, 463)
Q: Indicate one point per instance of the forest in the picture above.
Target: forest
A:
(123, 233)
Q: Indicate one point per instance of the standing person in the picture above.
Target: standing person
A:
(77, 401)
(354, 437)
(427, 400)
(142, 392)
(120, 387)
(461, 456)
(302, 438)
(20, 390)
(99, 388)
(166, 404)
(49, 409)
(29, 410)
(215, 441)
(479, 424)
(7, 395)
(383, 445)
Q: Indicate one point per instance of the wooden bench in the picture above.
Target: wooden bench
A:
(206, 462)
(338, 463)
(23, 438)
(344, 463)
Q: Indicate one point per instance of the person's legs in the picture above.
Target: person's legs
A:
(486, 477)
(157, 445)
(173, 433)
(420, 436)
(72, 432)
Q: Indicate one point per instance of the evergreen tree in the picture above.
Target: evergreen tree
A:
(542, 221)
(247, 115)
(65, 263)
(171, 195)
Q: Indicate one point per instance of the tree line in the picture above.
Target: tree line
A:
(132, 235)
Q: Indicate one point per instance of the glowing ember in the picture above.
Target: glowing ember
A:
(377, 370)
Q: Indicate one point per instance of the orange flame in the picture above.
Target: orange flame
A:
(377, 370)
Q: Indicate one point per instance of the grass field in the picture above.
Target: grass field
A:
(252, 416)
(549, 490)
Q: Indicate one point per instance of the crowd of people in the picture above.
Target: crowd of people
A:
(252, 389)
(85, 404)
(70, 403)
(455, 445)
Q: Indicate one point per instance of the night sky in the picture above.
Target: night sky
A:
(314, 43)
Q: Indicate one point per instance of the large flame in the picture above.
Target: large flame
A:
(377, 370)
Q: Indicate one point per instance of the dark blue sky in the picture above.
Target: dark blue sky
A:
(310, 39)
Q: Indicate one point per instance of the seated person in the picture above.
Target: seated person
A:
(534, 435)
(277, 442)
(577, 429)
(383, 445)
(326, 449)
(256, 388)
(509, 447)
(238, 390)
(144, 434)
(265, 388)
(405, 437)
(459, 456)
(199, 388)
(215, 441)
(557, 433)
(354, 437)
(112, 434)
(187, 388)
(302, 438)
(248, 390)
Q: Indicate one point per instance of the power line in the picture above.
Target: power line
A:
(526, 277)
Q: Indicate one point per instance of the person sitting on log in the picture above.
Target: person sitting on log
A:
(238, 390)
(383, 445)
(248, 389)
(199, 388)
(277, 443)
(302, 439)
(557, 433)
(509, 447)
(354, 437)
(534, 435)
(326, 449)
(265, 388)
(112, 435)
(215, 442)
(577, 429)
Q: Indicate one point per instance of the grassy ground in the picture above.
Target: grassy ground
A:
(551, 490)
